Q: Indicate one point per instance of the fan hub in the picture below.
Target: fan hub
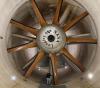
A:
(51, 38)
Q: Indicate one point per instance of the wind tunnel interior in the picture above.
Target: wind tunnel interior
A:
(67, 72)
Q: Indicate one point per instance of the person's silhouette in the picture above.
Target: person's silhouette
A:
(48, 78)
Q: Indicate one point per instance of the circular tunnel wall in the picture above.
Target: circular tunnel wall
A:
(12, 77)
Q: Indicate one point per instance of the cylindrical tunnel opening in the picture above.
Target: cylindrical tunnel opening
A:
(84, 52)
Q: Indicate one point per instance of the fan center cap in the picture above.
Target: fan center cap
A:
(51, 38)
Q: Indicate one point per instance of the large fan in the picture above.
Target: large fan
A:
(51, 39)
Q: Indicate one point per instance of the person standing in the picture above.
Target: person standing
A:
(48, 78)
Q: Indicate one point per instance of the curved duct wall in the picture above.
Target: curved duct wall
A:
(11, 78)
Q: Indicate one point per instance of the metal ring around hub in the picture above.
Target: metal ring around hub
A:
(51, 38)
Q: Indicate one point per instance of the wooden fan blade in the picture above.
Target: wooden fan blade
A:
(22, 47)
(72, 59)
(38, 13)
(29, 63)
(36, 61)
(24, 27)
(54, 66)
(71, 23)
(57, 13)
(81, 40)
(23, 37)
(65, 15)
(86, 35)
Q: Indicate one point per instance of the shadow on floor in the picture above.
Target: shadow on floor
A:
(44, 85)
(51, 86)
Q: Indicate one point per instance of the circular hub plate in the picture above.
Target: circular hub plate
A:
(51, 38)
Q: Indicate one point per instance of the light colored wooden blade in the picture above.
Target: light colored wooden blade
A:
(36, 61)
(81, 40)
(65, 14)
(74, 9)
(71, 23)
(80, 35)
(23, 37)
(72, 59)
(38, 13)
(22, 47)
(29, 62)
(24, 27)
(54, 67)
(57, 13)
